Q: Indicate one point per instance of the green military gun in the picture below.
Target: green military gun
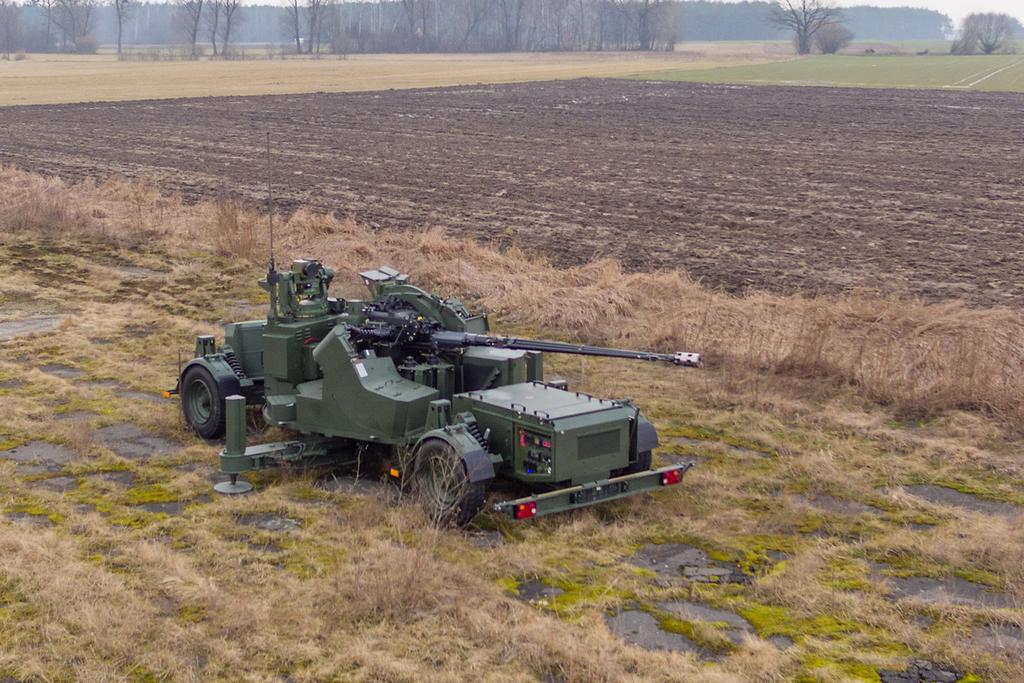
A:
(415, 383)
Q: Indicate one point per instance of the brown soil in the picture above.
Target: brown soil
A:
(789, 189)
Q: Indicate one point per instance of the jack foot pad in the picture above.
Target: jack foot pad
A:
(231, 488)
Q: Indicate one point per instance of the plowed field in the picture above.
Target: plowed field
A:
(788, 189)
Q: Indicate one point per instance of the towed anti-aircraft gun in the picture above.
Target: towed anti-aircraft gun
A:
(414, 382)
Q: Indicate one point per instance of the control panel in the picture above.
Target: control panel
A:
(537, 450)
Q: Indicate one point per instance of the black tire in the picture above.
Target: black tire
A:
(644, 460)
(442, 487)
(202, 403)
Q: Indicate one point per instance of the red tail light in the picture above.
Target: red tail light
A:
(525, 510)
(671, 477)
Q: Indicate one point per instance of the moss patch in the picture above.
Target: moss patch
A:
(150, 493)
(825, 669)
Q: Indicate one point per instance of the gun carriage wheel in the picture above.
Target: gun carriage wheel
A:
(202, 402)
(644, 460)
(442, 486)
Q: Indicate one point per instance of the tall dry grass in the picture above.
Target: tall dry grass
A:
(921, 358)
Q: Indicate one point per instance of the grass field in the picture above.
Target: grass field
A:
(992, 72)
(51, 79)
(852, 539)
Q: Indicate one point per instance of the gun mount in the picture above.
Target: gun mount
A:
(416, 383)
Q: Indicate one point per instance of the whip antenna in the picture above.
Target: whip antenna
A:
(270, 206)
(271, 267)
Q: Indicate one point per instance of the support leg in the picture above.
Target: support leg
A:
(234, 446)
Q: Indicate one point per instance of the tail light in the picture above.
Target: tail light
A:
(671, 477)
(525, 510)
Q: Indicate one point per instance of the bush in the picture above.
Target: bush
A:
(86, 45)
(963, 46)
(831, 38)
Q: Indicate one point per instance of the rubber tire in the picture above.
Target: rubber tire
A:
(213, 426)
(473, 493)
(644, 461)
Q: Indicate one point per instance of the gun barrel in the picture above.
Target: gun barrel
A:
(457, 339)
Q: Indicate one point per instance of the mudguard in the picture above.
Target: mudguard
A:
(222, 373)
(476, 460)
(646, 436)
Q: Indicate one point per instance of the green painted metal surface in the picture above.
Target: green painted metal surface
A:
(380, 377)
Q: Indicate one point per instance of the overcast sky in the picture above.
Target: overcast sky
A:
(957, 9)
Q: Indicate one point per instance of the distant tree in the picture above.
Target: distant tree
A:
(232, 18)
(9, 18)
(293, 24)
(986, 33)
(804, 18)
(214, 10)
(75, 18)
(472, 14)
(122, 8)
(831, 38)
(896, 23)
(643, 20)
(511, 14)
(645, 15)
(190, 15)
(47, 9)
(316, 15)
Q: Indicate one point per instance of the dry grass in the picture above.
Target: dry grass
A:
(363, 590)
(919, 358)
(43, 205)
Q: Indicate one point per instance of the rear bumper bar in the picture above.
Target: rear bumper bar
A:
(592, 493)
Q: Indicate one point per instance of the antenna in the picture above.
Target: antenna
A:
(270, 206)
(271, 267)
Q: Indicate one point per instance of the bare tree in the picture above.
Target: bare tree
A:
(647, 15)
(190, 14)
(556, 28)
(293, 23)
(511, 18)
(316, 13)
(639, 22)
(122, 8)
(804, 18)
(75, 18)
(9, 17)
(232, 17)
(47, 9)
(415, 13)
(832, 38)
(214, 9)
(472, 13)
(986, 33)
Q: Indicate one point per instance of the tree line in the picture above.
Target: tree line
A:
(218, 27)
